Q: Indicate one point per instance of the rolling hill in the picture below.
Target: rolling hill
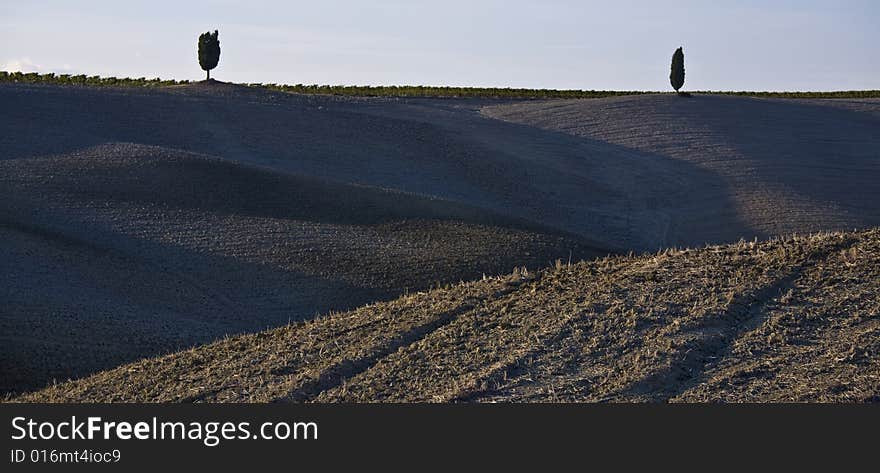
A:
(792, 319)
(731, 167)
(122, 251)
(625, 173)
(141, 222)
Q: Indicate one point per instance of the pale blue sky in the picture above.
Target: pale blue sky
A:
(620, 44)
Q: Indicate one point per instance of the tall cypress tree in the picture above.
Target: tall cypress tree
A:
(209, 51)
(676, 76)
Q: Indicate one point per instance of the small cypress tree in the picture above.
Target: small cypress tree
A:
(209, 51)
(676, 76)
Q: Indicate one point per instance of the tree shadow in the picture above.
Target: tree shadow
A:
(718, 333)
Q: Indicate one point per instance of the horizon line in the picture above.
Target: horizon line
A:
(380, 86)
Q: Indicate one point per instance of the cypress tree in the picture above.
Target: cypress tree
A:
(676, 76)
(209, 51)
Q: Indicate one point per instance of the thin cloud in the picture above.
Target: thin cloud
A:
(20, 65)
(25, 64)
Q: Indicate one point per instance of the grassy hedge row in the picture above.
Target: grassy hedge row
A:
(405, 90)
(81, 79)
(839, 94)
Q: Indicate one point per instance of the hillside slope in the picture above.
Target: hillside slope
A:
(731, 167)
(628, 173)
(143, 221)
(793, 319)
(123, 251)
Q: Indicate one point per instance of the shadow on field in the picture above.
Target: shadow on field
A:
(745, 313)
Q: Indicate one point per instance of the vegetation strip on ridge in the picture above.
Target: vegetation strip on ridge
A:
(408, 90)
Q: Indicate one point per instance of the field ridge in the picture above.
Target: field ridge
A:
(410, 90)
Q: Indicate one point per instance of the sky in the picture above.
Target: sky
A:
(561, 44)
